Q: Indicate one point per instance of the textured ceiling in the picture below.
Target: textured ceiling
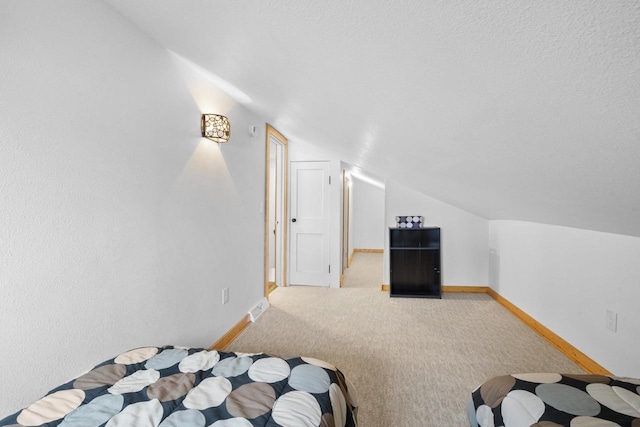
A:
(523, 110)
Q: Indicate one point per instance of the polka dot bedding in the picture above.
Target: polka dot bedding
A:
(187, 387)
(551, 400)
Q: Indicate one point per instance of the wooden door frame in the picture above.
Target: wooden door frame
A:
(346, 219)
(271, 131)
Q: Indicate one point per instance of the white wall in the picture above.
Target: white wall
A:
(464, 236)
(119, 224)
(567, 278)
(368, 225)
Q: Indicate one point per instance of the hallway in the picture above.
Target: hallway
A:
(365, 271)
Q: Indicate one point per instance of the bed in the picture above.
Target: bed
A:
(550, 399)
(187, 387)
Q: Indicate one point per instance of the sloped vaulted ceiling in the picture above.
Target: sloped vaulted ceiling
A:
(510, 109)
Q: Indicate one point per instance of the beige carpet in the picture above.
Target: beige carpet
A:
(414, 362)
(365, 271)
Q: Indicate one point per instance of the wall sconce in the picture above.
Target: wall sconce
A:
(215, 127)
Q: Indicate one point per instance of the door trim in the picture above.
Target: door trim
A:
(346, 221)
(272, 132)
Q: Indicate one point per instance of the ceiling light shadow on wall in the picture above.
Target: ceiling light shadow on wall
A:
(207, 164)
(210, 92)
(358, 173)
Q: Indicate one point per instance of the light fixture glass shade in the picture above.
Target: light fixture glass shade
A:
(215, 127)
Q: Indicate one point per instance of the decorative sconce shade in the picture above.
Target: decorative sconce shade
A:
(215, 127)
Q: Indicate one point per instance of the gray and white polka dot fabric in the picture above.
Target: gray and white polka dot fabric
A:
(550, 399)
(409, 221)
(184, 387)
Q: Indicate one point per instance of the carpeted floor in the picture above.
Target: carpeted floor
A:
(365, 271)
(414, 362)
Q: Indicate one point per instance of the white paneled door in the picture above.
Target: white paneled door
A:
(309, 224)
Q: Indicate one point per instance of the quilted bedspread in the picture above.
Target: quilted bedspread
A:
(552, 400)
(173, 386)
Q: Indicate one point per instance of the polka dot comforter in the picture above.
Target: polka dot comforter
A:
(551, 400)
(186, 387)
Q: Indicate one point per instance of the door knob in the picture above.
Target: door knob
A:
(293, 220)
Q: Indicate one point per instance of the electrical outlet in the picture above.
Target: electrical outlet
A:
(612, 320)
(225, 295)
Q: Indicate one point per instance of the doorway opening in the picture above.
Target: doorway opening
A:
(363, 228)
(275, 218)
